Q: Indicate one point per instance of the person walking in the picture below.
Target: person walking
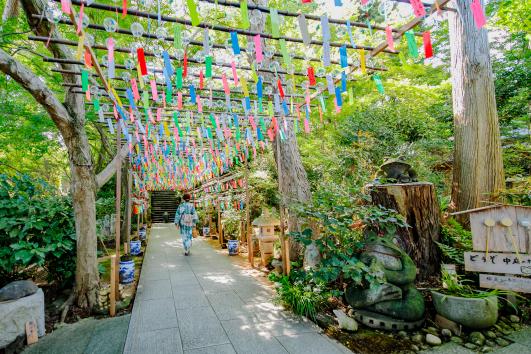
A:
(185, 220)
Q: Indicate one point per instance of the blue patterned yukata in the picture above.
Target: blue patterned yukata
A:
(186, 231)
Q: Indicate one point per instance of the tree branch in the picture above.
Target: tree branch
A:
(109, 171)
(34, 85)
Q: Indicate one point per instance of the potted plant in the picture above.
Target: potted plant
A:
(462, 304)
(231, 223)
(127, 269)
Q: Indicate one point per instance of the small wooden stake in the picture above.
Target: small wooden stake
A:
(31, 332)
(112, 305)
(118, 198)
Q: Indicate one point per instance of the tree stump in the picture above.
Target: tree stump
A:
(418, 204)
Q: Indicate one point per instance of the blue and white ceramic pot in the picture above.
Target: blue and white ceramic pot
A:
(233, 246)
(135, 247)
(127, 272)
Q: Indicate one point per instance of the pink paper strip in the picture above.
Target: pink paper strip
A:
(80, 19)
(199, 105)
(154, 92)
(159, 114)
(134, 87)
(65, 6)
(179, 100)
(389, 36)
(477, 11)
(258, 48)
(234, 74)
(131, 115)
(225, 84)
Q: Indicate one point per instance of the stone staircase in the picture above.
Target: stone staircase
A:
(162, 201)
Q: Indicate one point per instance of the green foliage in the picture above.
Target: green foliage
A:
(305, 298)
(455, 285)
(231, 223)
(455, 240)
(36, 230)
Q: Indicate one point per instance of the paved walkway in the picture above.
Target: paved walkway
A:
(205, 303)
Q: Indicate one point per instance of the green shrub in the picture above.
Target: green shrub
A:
(36, 231)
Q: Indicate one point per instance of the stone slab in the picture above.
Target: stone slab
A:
(154, 289)
(200, 328)
(155, 314)
(216, 349)
(162, 341)
(309, 343)
(189, 296)
(15, 313)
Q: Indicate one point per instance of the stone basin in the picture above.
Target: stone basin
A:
(474, 313)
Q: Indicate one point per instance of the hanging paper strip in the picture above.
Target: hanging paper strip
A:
(225, 84)
(154, 93)
(141, 61)
(343, 81)
(177, 39)
(124, 8)
(80, 18)
(234, 73)
(326, 53)
(84, 80)
(378, 82)
(206, 42)
(428, 50)
(88, 59)
(208, 64)
(412, 44)
(343, 56)
(192, 10)
(80, 46)
(418, 8)
(330, 84)
(129, 94)
(339, 101)
(325, 27)
(362, 61)
(350, 96)
(65, 6)
(258, 48)
(275, 31)
(179, 78)
(201, 80)
(389, 37)
(477, 12)
(285, 54)
(311, 76)
(303, 27)
(185, 65)
(245, 89)
(244, 13)
(280, 90)
(167, 64)
(234, 42)
(350, 36)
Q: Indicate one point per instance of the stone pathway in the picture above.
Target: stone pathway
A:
(205, 303)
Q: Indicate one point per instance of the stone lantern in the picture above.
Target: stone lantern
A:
(264, 229)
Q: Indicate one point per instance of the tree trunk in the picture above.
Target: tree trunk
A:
(478, 167)
(127, 186)
(418, 204)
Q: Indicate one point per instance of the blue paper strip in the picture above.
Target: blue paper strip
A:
(343, 56)
(192, 94)
(247, 103)
(343, 81)
(330, 83)
(325, 27)
(167, 63)
(338, 97)
(350, 36)
(129, 94)
(235, 44)
(326, 53)
(285, 107)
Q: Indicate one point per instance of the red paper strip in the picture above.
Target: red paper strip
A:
(141, 61)
(201, 80)
(306, 1)
(280, 90)
(124, 8)
(311, 76)
(478, 13)
(88, 59)
(428, 50)
(389, 37)
(185, 65)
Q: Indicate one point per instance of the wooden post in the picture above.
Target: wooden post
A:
(138, 225)
(248, 230)
(118, 207)
(112, 295)
(284, 251)
(418, 204)
(220, 228)
(129, 207)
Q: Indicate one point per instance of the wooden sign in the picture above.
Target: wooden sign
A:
(31, 332)
(492, 281)
(503, 228)
(505, 263)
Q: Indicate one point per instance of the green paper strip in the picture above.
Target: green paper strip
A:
(275, 31)
(212, 120)
(244, 13)
(177, 36)
(168, 94)
(270, 108)
(284, 51)
(378, 82)
(412, 44)
(260, 106)
(179, 77)
(194, 15)
(84, 80)
(262, 124)
(96, 105)
(350, 95)
(238, 134)
(208, 64)
(145, 99)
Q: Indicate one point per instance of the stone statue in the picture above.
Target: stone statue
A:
(397, 171)
(395, 304)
